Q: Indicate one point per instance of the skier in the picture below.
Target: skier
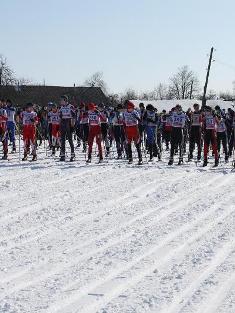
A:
(3, 130)
(231, 122)
(84, 126)
(141, 123)
(151, 121)
(209, 124)
(177, 134)
(222, 136)
(78, 127)
(43, 125)
(29, 120)
(67, 117)
(54, 122)
(104, 127)
(131, 121)
(49, 125)
(11, 123)
(195, 132)
(118, 130)
(166, 128)
(94, 120)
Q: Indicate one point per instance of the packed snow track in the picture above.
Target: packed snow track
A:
(114, 238)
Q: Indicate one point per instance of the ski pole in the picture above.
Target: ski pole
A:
(18, 130)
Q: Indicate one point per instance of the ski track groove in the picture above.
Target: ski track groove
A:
(113, 293)
(36, 204)
(177, 306)
(96, 306)
(163, 215)
(91, 291)
(146, 254)
(90, 216)
(216, 299)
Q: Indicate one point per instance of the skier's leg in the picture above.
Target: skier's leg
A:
(91, 137)
(98, 141)
(173, 146)
(70, 140)
(225, 145)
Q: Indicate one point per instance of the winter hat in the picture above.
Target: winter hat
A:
(150, 107)
(65, 98)
(91, 106)
(178, 107)
(130, 105)
(208, 108)
(29, 105)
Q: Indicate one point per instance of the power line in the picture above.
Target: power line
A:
(232, 67)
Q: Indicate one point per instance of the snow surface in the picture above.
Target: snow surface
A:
(113, 238)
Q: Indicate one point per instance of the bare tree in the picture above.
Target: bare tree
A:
(96, 80)
(183, 84)
(226, 96)
(114, 99)
(161, 91)
(129, 94)
(24, 81)
(7, 76)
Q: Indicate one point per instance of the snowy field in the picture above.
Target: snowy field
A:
(114, 238)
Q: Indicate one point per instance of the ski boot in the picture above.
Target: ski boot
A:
(180, 161)
(25, 157)
(34, 158)
(226, 159)
(62, 158)
(170, 161)
(53, 151)
(159, 156)
(84, 148)
(140, 162)
(190, 157)
(101, 160)
(107, 152)
(216, 162)
(72, 157)
(205, 163)
(89, 159)
(119, 157)
(130, 161)
(4, 156)
(13, 148)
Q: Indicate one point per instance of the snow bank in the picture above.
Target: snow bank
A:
(169, 104)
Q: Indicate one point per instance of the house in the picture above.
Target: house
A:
(41, 95)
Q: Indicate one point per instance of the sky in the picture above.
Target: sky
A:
(135, 43)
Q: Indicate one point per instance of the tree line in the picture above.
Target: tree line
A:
(182, 85)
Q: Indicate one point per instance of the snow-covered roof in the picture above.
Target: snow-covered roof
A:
(169, 104)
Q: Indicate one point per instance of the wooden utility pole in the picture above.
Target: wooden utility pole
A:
(207, 78)
(191, 90)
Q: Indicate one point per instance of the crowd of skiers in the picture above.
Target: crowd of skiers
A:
(150, 131)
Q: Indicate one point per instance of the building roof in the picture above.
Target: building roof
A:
(41, 95)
